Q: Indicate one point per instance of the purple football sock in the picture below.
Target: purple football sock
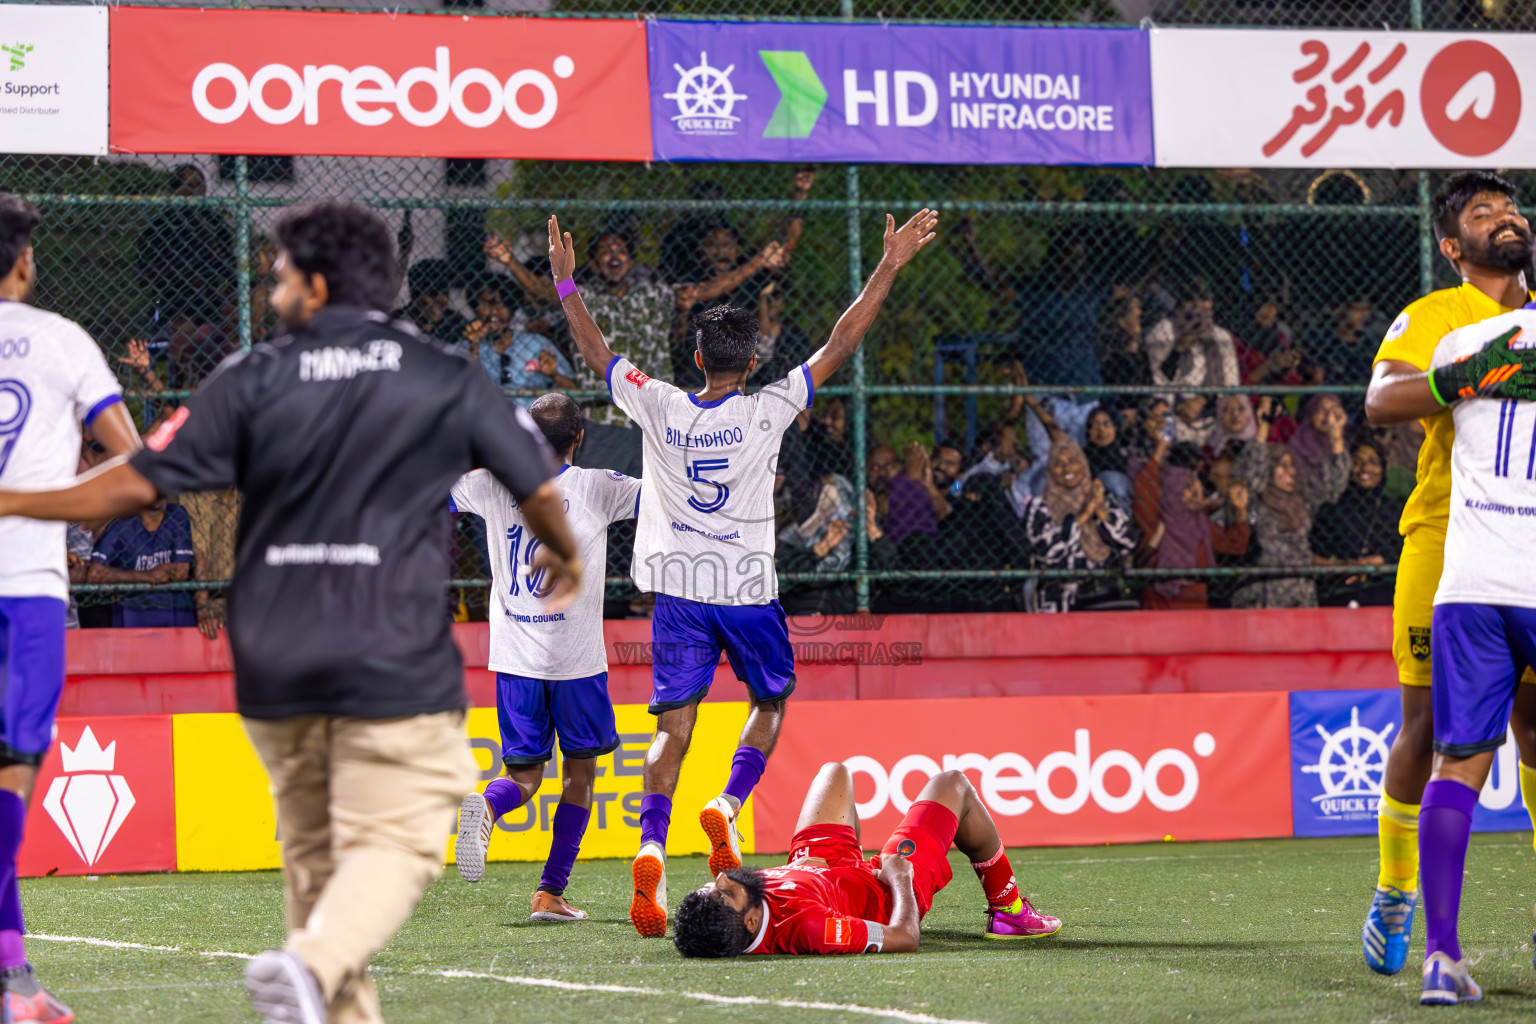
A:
(13, 819)
(570, 826)
(746, 768)
(655, 818)
(1445, 825)
(503, 795)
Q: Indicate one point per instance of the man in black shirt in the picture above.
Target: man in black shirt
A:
(345, 435)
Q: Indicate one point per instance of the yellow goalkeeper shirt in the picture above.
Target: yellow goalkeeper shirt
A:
(1412, 339)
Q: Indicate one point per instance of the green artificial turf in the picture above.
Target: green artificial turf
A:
(1248, 931)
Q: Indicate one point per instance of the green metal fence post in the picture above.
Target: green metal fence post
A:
(860, 399)
(243, 211)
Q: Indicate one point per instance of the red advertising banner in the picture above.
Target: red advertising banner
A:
(1054, 771)
(375, 84)
(105, 800)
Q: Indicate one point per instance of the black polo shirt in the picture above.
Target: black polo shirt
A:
(344, 437)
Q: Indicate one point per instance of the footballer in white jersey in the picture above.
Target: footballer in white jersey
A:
(551, 667)
(705, 540)
(1483, 634)
(53, 379)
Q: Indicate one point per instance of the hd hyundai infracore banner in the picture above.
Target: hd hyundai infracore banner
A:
(375, 84)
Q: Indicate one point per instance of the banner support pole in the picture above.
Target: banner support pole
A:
(243, 246)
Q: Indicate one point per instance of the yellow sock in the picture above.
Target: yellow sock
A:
(1397, 832)
(1528, 791)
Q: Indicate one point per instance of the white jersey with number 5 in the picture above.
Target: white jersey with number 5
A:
(1490, 545)
(706, 516)
(52, 379)
(527, 639)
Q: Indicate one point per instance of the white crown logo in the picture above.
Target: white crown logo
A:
(85, 802)
(88, 755)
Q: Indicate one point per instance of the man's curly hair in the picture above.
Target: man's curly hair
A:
(708, 926)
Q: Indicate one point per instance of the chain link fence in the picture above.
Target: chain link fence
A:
(1203, 337)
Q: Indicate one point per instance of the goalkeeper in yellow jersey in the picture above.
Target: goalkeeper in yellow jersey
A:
(1480, 229)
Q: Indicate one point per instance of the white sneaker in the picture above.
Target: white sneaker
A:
(283, 990)
(648, 908)
(718, 820)
(1447, 982)
(475, 824)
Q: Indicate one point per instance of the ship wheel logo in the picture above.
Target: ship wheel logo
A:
(705, 99)
(1353, 759)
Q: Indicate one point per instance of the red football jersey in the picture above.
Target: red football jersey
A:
(815, 909)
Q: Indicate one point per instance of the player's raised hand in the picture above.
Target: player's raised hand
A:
(902, 243)
(1497, 370)
(562, 254)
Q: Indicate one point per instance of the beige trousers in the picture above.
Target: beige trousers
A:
(364, 809)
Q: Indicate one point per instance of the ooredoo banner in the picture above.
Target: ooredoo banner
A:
(1339, 745)
(1054, 771)
(103, 802)
(1233, 98)
(899, 94)
(53, 79)
(377, 84)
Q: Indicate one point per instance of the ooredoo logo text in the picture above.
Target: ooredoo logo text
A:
(423, 96)
(1115, 780)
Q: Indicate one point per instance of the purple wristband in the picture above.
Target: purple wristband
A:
(565, 289)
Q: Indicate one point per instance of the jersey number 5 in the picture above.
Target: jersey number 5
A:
(696, 471)
(15, 405)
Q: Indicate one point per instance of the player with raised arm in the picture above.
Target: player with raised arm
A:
(1481, 231)
(705, 540)
(829, 899)
(1484, 635)
(53, 378)
(551, 669)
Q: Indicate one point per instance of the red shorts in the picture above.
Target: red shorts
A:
(929, 827)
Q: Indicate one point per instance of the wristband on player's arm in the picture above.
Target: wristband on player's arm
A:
(1486, 373)
(566, 288)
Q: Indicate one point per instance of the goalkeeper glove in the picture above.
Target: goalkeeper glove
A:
(1495, 371)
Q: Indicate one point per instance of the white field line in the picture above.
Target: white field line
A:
(562, 986)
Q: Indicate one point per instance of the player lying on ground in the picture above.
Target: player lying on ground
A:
(829, 899)
(1481, 232)
(705, 540)
(551, 668)
(1484, 634)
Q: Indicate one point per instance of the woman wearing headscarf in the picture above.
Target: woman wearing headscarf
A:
(1177, 530)
(1073, 524)
(1282, 522)
(823, 543)
(1318, 450)
(1235, 421)
(1360, 529)
(1108, 459)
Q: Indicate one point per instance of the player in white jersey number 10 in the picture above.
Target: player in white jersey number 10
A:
(1483, 633)
(704, 543)
(551, 671)
(53, 378)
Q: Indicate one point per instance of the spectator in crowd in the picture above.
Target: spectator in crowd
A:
(511, 358)
(1191, 424)
(1108, 459)
(431, 306)
(908, 501)
(213, 517)
(1003, 457)
(1223, 479)
(1236, 422)
(1360, 528)
(1282, 520)
(186, 262)
(1267, 354)
(1188, 348)
(153, 546)
(634, 308)
(1177, 531)
(1074, 524)
(781, 344)
(1403, 458)
(1345, 353)
(828, 440)
(1154, 424)
(1122, 360)
(682, 256)
(1318, 446)
(80, 542)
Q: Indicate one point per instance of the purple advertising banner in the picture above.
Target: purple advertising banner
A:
(899, 94)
